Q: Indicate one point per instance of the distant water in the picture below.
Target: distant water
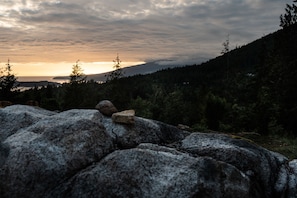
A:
(40, 78)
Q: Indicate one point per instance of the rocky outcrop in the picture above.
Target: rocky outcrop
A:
(82, 153)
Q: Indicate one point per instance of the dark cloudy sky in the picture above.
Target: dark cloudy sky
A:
(38, 35)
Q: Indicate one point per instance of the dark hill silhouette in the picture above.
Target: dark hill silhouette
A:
(251, 88)
(142, 69)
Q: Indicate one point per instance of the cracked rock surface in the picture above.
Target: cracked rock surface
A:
(82, 153)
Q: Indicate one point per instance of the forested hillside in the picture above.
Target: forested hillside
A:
(251, 88)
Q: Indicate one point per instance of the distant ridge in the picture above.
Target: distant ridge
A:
(142, 69)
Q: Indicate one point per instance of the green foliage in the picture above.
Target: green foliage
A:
(77, 91)
(118, 72)
(77, 76)
(142, 107)
(79, 95)
(50, 103)
(290, 17)
(226, 46)
(284, 144)
(174, 107)
(8, 82)
(215, 111)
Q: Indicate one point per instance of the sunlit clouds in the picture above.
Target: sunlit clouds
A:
(182, 31)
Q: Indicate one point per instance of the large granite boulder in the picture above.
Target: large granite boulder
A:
(82, 153)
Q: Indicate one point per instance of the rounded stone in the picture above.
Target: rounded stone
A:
(106, 107)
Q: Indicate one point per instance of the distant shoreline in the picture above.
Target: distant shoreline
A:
(28, 82)
(37, 83)
(142, 69)
(41, 80)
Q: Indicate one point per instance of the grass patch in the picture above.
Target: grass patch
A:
(284, 145)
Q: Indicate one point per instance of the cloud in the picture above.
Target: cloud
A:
(140, 30)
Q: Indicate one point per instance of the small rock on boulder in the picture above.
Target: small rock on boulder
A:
(106, 107)
(124, 117)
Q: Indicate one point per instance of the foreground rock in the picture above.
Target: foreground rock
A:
(82, 153)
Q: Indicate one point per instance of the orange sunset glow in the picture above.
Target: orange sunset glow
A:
(63, 68)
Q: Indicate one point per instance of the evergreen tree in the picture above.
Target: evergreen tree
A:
(7, 82)
(77, 76)
(225, 52)
(290, 17)
(73, 96)
(117, 73)
(226, 45)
